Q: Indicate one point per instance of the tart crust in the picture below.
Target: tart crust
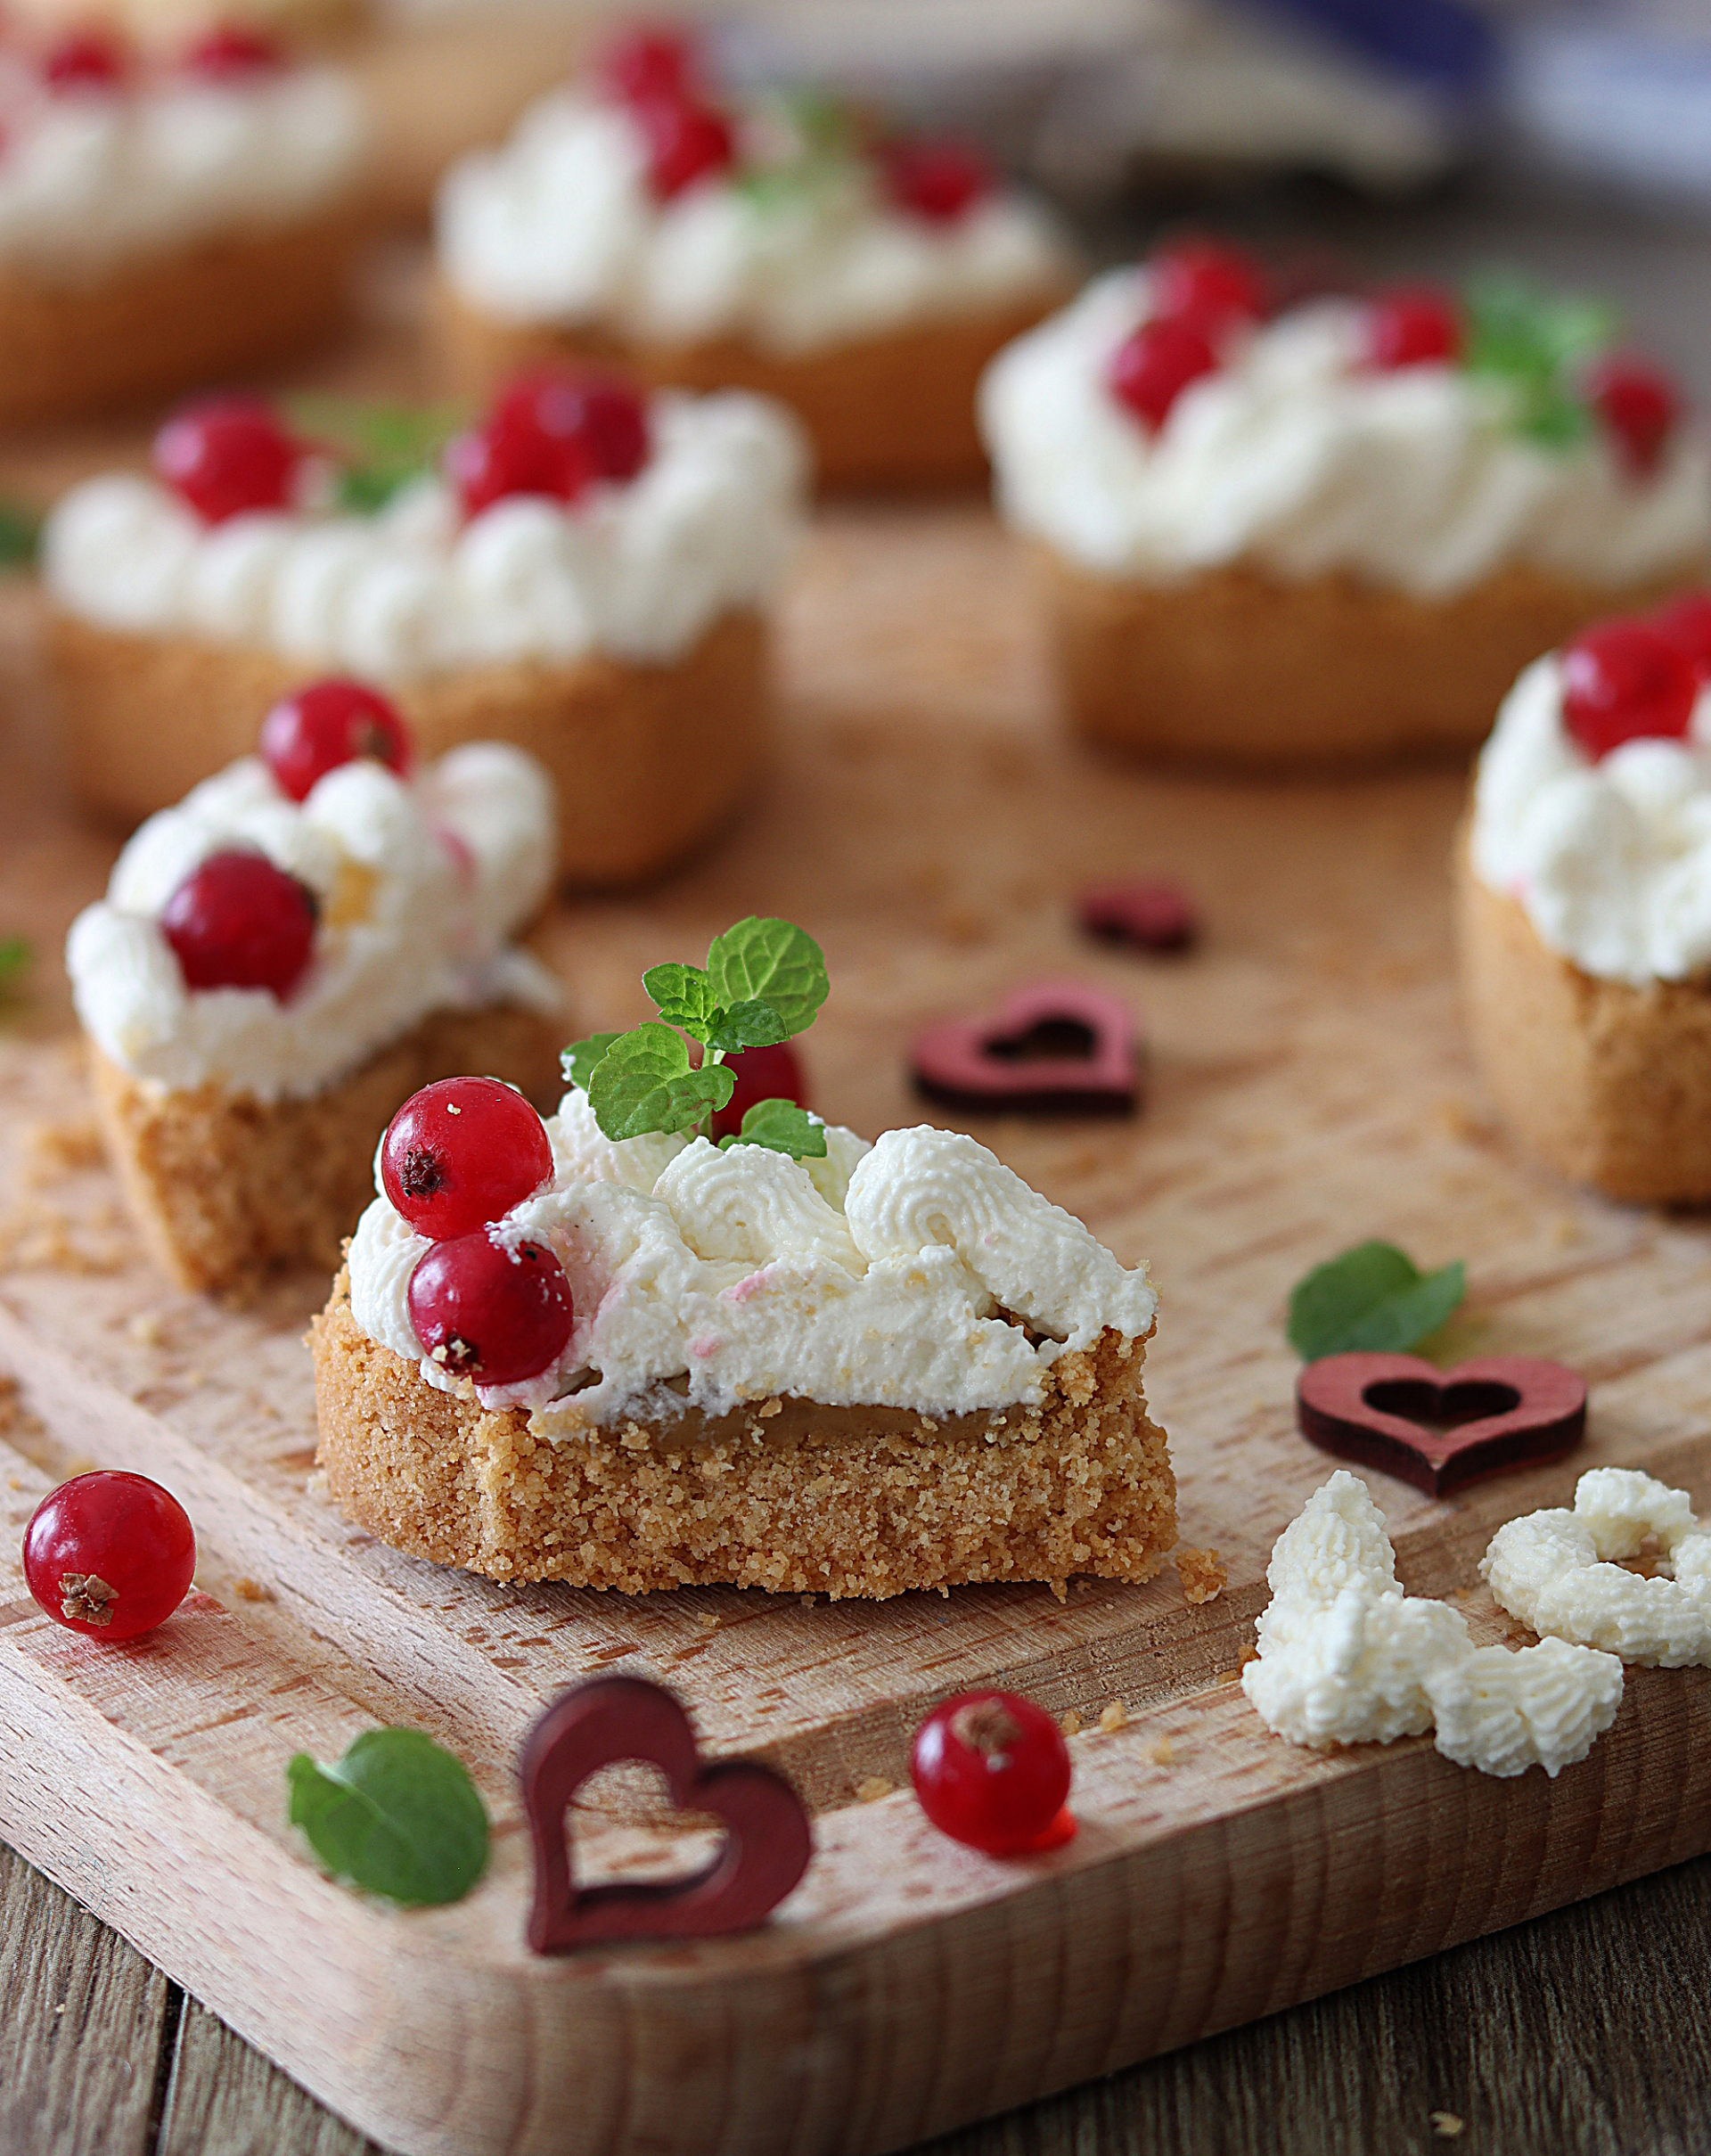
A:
(143, 717)
(788, 1494)
(893, 411)
(1237, 669)
(1608, 1084)
(226, 1189)
(170, 320)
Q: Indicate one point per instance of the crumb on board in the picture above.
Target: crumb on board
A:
(807, 1601)
(871, 1788)
(144, 1328)
(1160, 1753)
(251, 1590)
(1203, 1577)
(1113, 1716)
(1069, 1722)
(1249, 1654)
(707, 1620)
(1230, 1676)
(56, 1149)
(1447, 2125)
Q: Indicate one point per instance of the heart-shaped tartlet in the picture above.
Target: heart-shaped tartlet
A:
(1441, 1430)
(1150, 912)
(1052, 1048)
(767, 1839)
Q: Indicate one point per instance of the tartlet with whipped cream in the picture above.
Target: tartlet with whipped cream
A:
(169, 220)
(1583, 906)
(585, 574)
(761, 243)
(300, 943)
(1330, 532)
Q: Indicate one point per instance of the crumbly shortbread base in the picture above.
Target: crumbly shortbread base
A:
(170, 322)
(788, 1496)
(226, 1189)
(1608, 1084)
(1234, 667)
(893, 411)
(145, 717)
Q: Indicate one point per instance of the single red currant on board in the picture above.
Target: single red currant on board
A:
(1213, 285)
(938, 180)
(1152, 368)
(1686, 623)
(1638, 403)
(497, 1316)
(593, 426)
(462, 1153)
(646, 63)
(237, 921)
(84, 61)
(233, 53)
(1622, 681)
(225, 454)
(110, 1554)
(687, 141)
(992, 1769)
(1413, 326)
(763, 1074)
(329, 723)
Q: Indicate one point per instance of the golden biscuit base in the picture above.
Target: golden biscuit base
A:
(788, 1494)
(646, 761)
(1232, 669)
(894, 411)
(1608, 1084)
(227, 1188)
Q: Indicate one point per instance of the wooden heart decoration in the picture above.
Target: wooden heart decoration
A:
(767, 1840)
(1495, 1413)
(1051, 1048)
(1151, 913)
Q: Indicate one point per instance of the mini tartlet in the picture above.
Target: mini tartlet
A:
(1583, 904)
(761, 245)
(167, 222)
(1331, 533)
(586, 578)
(302, 942)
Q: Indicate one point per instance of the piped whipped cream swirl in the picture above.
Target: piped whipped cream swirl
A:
(639, 570)
(709, 1279)
(560, 225)
(1610, 861)
(1297, 457)
(419, 886)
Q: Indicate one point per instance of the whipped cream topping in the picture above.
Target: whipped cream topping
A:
(639, 570)
(1298, 458)
(91, 178)
(709, 1279)
(1610, 861)
(420, 885)
(560, 225)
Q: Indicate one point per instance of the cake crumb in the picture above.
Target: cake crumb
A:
(1203, 1577)
(1230, 1676)
(62, 1149)
(1113, 1716)
(706, 1620)
(144, 1328)
(1160, 1753)
(871, 1788)
(251, 1590)
(1070, 1723)
(807, 1601)
(1446, 2125)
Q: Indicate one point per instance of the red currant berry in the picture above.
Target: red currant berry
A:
(992, 1769)
(687, 141)
(647, 63)
(490, 463)
(462, 1153)
(940, 181)
(1150, 370)
(493, 1314)
(1638, 405)
(594, 426)
(1622, 681)
(226, 455)
(330, 723)
(229, 54)
(763, 1074)
(110, 1554)
(1213, 285)
(84, 62)
(1413, 326)
(1686, 623)
(237, 921)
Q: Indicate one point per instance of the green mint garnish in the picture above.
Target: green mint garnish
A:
(774, 962)
(579, 1059)
(15, 955)
(646, 1082)
(381, 448)
(784, 1127)
(20, 533)
(397, 1815)
(1374, 1298)
(1534, 341)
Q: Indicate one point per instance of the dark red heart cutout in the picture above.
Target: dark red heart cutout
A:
(767, 1840)
(1502, 1411)
(1052, 1048)
(1151, 913)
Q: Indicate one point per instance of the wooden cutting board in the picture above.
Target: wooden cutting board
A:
(1308, 1088)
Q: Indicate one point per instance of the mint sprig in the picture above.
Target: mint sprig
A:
(1373, 1298)
(21, 535)
(1535, 341)
(397, 1815)
(645, 1081)
(15, 955)
(379, 448)
(784, 1127)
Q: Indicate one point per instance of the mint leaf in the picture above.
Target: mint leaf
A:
(21, 532)
(773, 962)
(380, 447)
(1373, 1298)
(644, 1082)
(15, 955)
(682, 996)
(577, 1061)
(746, 1025)
(1534, 341)
(784, 1127)
(397, 1815)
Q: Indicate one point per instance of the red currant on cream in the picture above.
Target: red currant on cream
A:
(1686, 623)
(647, 63)
(940, 180)
(462, 1153)
(110, 1554)
(762, 1074)
(1414, 326)
(226, 455)
(1213, 285)
(1623, 681)
(231, 54)
(687, 140)
(237, 921)
(1152, 367)
(594, 426)
(992, 1769)
(485, 1311)
(85, 61)
(328, 724)
(1638, 403)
